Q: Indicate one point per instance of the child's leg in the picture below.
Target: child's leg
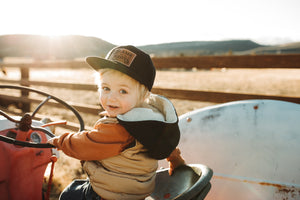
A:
(79, 190)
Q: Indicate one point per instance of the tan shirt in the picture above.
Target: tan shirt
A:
(127, 176)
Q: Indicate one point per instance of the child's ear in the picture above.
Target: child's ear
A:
(147, 95)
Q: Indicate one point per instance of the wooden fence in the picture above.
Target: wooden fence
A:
(201, 62)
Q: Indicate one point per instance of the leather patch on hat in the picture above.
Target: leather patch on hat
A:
(122, 56)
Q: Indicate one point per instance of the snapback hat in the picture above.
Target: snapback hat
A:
(128, 60)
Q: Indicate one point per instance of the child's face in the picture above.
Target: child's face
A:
(118, 94)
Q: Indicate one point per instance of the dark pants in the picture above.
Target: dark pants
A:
(79, 190)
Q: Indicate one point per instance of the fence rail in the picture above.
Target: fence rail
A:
(192, 95)
(91, 109)
(246, 61)
(201, 62)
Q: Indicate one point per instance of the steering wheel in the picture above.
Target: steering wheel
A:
(25, 123)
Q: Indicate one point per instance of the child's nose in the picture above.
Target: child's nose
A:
(113, 95)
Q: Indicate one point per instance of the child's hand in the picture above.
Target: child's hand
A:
(175, 160)
(51, 140)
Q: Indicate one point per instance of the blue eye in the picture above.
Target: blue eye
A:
(105, 89)
(123, 92)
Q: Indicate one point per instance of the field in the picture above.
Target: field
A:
(281, 82)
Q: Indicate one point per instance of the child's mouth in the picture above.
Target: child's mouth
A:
(112, 107)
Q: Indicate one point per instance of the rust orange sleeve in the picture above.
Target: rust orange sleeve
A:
(105, 141)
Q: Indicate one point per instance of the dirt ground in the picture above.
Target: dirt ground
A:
(282, 82)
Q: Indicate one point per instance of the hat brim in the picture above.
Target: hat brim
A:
(100, 63)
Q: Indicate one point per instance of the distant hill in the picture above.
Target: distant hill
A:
(75, 46)
(200, 48)
(44, 47)
(227, 47)
(289, 48)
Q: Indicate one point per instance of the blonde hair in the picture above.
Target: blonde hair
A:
(142, 89)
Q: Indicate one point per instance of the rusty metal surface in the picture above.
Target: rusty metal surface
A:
(252, 146)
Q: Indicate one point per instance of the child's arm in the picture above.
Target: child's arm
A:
(175, 160)
(106, 141)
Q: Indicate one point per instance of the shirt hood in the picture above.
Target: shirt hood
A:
(155, 125)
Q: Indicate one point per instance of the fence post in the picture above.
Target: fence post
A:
(24, 94)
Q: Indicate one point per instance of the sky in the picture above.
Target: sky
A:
(139, 22)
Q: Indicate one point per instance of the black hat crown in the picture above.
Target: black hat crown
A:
(128, 60)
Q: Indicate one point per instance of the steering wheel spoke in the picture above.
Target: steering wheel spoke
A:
(40, 105)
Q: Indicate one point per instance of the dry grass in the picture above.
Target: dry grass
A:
(282, 82)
